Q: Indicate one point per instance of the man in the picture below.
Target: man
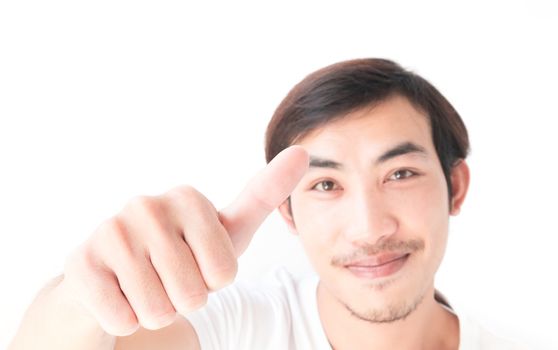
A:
(366, 164)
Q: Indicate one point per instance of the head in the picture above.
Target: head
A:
(387, 170)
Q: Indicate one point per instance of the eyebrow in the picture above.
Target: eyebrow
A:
(316, 162)
(399, 150)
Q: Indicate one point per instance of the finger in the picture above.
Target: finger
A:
(137, 278)
(265, 192)
(180, 275)
(205, 236)
(100, 294)
(145, 293)
(109, 306)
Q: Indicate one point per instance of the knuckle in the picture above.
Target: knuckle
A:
(79, 263)
(117, 235)
(142, 205)
(114, 243)
(150, 212)
(192, 301)
(188, 196)
(233, 270)
(185, 191)
(224, 274)
(124, 325)
(262, 202)
(159, 306)
(157, 318)
(113, 227)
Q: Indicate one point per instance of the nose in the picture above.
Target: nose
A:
(371, 218)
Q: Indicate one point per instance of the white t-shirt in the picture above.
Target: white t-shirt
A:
(283, 314)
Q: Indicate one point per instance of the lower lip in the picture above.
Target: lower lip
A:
(385, 270)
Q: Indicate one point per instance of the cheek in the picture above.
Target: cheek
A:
(317, 224)
(424, 209)
(426, 214)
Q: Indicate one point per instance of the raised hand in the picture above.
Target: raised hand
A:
(161, 255)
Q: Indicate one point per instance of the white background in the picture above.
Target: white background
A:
(104, 100)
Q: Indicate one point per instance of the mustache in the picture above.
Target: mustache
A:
(368, 250)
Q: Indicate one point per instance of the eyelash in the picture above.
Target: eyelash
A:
(409, 173)
(321, 183)
(412, 174)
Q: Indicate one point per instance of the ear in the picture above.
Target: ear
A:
(459, 185)
(287, 215)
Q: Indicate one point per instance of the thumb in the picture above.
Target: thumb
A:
(265, 192)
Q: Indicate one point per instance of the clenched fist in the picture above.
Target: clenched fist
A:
(162, 255)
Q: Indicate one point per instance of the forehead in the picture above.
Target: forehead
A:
(392, 121)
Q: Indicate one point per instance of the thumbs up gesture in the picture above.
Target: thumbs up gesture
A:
(162, 255)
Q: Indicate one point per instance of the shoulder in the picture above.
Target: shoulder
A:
(474, 337)
(267, 314)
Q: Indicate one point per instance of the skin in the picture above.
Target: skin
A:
(126, 286)
(349, 207)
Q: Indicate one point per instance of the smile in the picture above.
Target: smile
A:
(379, 266)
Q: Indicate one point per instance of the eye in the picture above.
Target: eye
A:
(402, 174)
(325, 186)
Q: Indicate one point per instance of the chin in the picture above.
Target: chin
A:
(386, 299)
(386, 308)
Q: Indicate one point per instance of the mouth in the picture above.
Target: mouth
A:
(383, 265)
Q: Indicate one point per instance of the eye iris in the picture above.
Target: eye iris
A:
(400, 174)
(327, 185)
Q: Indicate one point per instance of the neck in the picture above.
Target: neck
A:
(429, 326)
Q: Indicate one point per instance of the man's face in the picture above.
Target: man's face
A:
(372, 211)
